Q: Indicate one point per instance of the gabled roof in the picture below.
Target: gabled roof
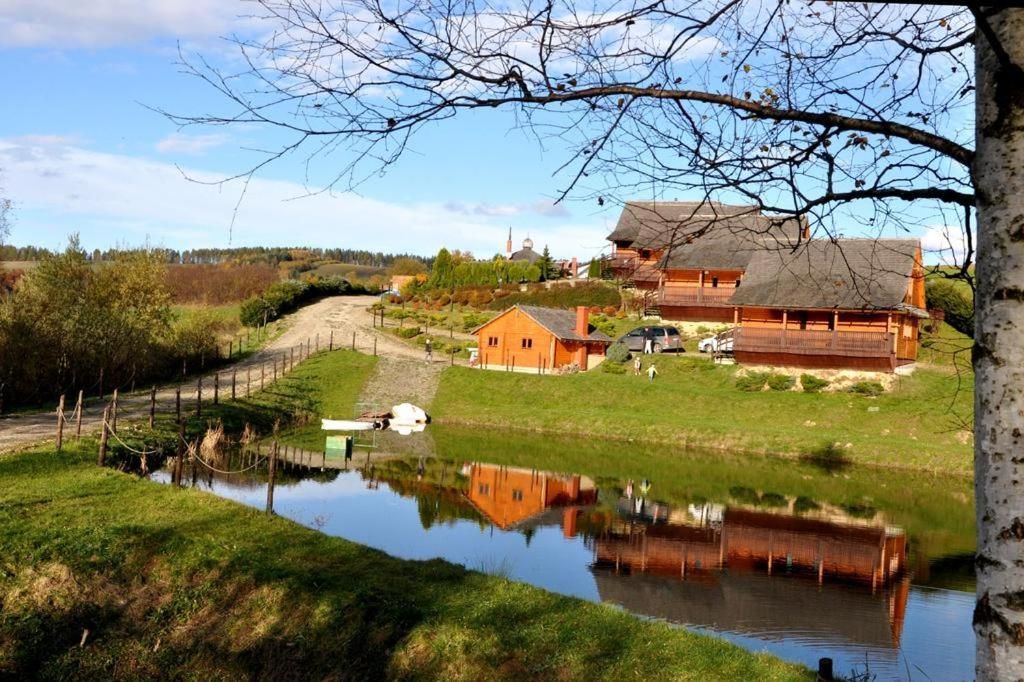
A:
(675, 224)
(845, 274)
(560, 322)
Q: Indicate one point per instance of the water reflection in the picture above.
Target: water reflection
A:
(801, 578)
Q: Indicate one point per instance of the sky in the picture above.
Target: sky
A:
(83, 151)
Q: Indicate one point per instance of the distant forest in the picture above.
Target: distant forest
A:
(242, 255)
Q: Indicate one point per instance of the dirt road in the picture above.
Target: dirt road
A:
(402, 374)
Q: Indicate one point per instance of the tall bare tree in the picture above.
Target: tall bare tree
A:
(880, 117)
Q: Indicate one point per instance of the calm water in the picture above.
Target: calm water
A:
(795, 576)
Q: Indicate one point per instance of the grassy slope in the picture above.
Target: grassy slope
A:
(694, 402)
(181, 583)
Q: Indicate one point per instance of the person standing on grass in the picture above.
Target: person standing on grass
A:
(648, 341)
(637, 366)
(652, 372)
(429, 349)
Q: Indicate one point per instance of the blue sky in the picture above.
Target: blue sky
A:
(81, 152)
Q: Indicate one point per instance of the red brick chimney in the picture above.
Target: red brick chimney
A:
(575, 268)
(582, 320)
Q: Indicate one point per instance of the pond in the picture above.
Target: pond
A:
(802, 560)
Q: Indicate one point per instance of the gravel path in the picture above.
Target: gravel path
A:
(402, 374)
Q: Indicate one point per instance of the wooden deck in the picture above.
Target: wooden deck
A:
(872, 351)
(695, 296)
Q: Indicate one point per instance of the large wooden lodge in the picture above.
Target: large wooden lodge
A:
(794, 301)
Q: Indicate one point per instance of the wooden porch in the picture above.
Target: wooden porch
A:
(816, 349)
(695, 296)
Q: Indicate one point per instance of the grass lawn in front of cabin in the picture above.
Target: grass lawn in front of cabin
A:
(924, 423)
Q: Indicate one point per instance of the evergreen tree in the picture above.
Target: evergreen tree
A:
(545, 265)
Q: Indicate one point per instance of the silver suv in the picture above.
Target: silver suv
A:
(662, 339)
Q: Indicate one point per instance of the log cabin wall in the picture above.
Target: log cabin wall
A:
(514, 339)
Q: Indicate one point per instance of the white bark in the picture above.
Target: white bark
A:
(999, 352)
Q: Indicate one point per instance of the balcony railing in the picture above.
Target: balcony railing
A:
(695, 296)
(808, 342)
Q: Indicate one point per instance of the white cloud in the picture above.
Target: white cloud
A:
(109, 198)
(179, 143)
(103, 23)
(944, 244)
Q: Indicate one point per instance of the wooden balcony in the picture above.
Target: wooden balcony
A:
(695, 296)
(807, 342)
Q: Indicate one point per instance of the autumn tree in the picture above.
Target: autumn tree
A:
(865, 118)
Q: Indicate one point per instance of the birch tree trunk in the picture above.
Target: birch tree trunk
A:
(999, 348)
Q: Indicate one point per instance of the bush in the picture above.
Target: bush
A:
(805, 504)
(812, 384)
(752, 381)
(868, 388)
(284, 297)
(618, 353)
(781, 382)
(609, 367)
(958, 306)
(595, 295)
(408, 332)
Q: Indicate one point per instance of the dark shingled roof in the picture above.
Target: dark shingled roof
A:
(525, 254)
(848, 274)
(704, 235)
(560, 322)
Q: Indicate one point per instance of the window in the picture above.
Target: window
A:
(485, 488)
(492, 341)
(517, 495)
(714, 282)
(637, 332)
(672, 331)
(738, 283)
(527, 344)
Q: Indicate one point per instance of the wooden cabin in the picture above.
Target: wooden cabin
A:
(850, 303)
(535, 339)
(510, 495)
(692, 255)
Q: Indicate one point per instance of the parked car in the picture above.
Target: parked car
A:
(662, 338)
(721, 343)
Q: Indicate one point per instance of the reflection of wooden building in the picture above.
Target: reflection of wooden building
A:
(851, 303)
(757, 540)
(533, 338)
(508, 495)
(674, 573)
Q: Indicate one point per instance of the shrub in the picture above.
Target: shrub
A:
(954, 302)
(752, 381)
(805, 504)
(781, 382)
(609, 367)
(772, 500)
(868, 388)
(618, 353)
(812, 384)
(408, 332)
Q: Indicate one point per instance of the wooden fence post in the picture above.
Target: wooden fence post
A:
(199, 398)
(216, 388)
(152, 406)
(307, 347)
(113, 414)
(78, 414)
(248, 380)
(60, 422)
(291, 364)
(331, 342)
(272, 471)
(234, 378)
(102, 458)
(179, 465)
(353, 340)
(231, 347)
(177, 404)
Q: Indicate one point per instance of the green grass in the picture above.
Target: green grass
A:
(182, 584)
(924, 423)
